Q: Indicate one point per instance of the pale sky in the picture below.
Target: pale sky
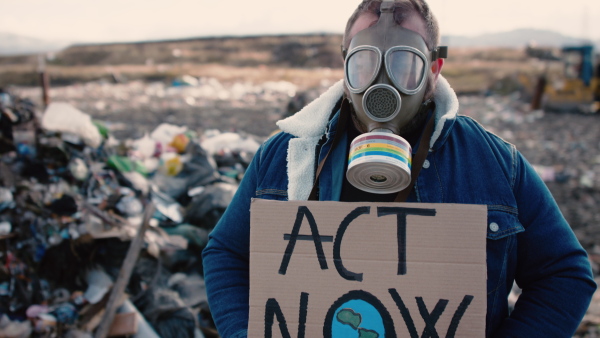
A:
(134, 20)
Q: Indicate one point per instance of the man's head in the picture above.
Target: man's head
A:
(407, 20)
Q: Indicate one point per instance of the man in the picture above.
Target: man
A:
(393, 90)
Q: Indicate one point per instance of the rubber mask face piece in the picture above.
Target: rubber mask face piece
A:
(386, 74)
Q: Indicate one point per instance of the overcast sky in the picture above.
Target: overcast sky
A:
(133, 20)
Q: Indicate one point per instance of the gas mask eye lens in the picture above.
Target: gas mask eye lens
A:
(361, 68)
(406, 69)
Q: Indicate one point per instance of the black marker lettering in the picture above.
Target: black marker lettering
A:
(272, 309)
(303, 312)
(410, 325)
(337, 244)
(431, 319)
(460, 311)
(303, 212)
(401, 214)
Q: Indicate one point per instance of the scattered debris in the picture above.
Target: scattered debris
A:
(72, 203)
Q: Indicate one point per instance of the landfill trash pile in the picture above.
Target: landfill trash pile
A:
(151, 117)
(73, 200)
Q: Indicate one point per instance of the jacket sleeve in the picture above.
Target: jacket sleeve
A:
(552, 270)
(226, 261)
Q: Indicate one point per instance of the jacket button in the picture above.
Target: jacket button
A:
(426, 164)
(494, 226)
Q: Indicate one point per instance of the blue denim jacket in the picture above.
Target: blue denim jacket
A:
(528, 239)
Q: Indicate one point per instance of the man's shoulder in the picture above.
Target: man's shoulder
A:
(473, 128)
(275, 147)
(278, 139)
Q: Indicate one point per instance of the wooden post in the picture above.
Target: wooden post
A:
(44, 80)
(45, 83)
(124, 275)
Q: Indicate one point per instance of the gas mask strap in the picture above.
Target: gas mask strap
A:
(387, 6)
(440, 52)
(341, 128)
(418, 160)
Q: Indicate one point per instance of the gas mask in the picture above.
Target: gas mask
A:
(386, 71)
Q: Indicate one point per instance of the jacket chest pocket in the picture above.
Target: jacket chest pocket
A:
(502, 230)
(502, 224)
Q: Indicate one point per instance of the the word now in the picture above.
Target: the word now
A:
(273, 310)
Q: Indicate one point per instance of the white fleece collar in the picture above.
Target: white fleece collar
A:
(446, 107)
(312, 120)
(310, 123)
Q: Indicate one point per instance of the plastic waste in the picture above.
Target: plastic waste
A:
(64, 206)
(36, 310)
(130, 206)
(198, 170)
(180, 142)
(63, 117)
(172, 164)
(5, 228)
(45, 323)
(185, 80)
(207, 207)
(125, 164)
(145, 146)
(144, 328)
(138, 181)
(165, 132)
(190, 287)
(166, 206)
(99, 283)
(14, 329)
(65, 313)
(6, 198)
(167, 313)
(78, 169)
(193, 234)
(229, 142)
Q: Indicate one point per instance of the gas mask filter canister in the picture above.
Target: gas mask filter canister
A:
(379, 162)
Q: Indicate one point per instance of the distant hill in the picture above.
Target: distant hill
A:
(12, 44)
(303, 50)
(517, 38)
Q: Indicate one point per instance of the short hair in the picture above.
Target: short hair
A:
(402, 10)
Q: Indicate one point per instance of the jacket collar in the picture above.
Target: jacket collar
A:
(312, 120)
(310, 124)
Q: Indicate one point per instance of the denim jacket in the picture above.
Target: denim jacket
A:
(528, 239)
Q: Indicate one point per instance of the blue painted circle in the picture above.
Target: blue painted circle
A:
(370, 319)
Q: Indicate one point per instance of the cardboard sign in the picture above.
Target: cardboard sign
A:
(334, 269)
